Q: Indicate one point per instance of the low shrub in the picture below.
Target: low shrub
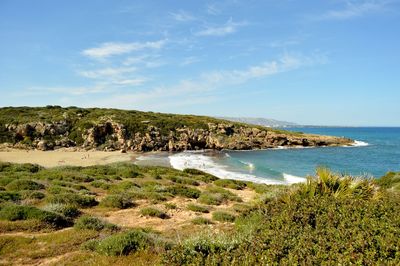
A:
(93, 223)
(197, 208)
(68, 211)
(183, 180)
(229, 183)
(18, 212)
(200, 175)
(223, 216)
(210, 199)
(24, 184)
(9, 196)
(100, 184)
(201, 220)
(73, 199)
(170, 206)
(117, 201)
(390, 181)
(28, 194)
(153, 212)
(123, 244)
(184, 191)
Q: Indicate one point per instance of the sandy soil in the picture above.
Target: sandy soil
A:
(64, 157)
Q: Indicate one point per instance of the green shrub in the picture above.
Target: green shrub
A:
(390, 180)
(184, 191)
(210, 199)
(24, 184)
(200, 175)
(117, 201)
(68, 211)
(183, 180)
(73, 199)
(233, 184)
(4, 181)
(18, 212)
(28, 194)
(93, 223)
(201, 220)
(153, 212)
(223, 216)
(123, 244)
(9, 196)
(197, 208)
(100, 184)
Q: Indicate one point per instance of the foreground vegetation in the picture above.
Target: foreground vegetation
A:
(125, 214)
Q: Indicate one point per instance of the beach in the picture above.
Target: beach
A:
(64, 157)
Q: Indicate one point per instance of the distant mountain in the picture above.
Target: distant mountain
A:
(260, 121)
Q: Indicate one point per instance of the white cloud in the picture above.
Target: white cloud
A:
(106, 72)
(117, 48)
(206, 85)
(130, 82)
(228, 28)
(182, 16)
(353, 10)
(73, 91)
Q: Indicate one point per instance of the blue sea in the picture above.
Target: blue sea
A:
(378, 152)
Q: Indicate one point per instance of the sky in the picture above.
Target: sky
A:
(317, 62)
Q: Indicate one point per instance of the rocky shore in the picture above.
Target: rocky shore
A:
(110, 135)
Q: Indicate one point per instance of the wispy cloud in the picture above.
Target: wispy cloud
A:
(182, 16)
(220, 30)
(117, 48)
(353, 10)
(106, 72)
(71, 91)
(212, 9)
(207, 85)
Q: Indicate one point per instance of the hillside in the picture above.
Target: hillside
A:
(53, 127)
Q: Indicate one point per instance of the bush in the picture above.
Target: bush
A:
(197, 208)
(73, 199)
(9, 196)
(68, 211)
(19, 212)
(200, 175)
(201, 220)
(117, 201)
(183, 180)
(170, 206)
(223, 216)
(210, 199)
(390, 180)
(184, 191)
(100, 184)
(24, 184)
(233, 184)
(93, 223)
(153, 212)
(33, 195)
(123, 243)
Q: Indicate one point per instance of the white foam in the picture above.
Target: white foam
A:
(292, 179)
(205, 163)
(359, 143)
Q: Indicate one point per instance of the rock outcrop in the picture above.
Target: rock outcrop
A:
(111, 135)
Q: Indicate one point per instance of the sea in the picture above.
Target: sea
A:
(376, 151)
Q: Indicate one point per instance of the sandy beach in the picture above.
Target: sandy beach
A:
(64, 157)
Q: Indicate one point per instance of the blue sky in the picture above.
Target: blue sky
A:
(333, 62)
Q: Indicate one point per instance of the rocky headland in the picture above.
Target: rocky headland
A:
(51, 128)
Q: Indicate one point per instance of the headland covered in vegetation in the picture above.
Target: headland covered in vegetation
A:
(54, 127)
(124, 214)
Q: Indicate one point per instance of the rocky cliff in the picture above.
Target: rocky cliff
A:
(108, 132)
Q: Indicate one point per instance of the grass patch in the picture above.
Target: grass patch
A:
(24, 184)
(153, 212)
(117, 201)
(184, 191)
(221, 216)
(201, 221)
(73, 199)
(197, 208)
(229, 183)
(93, 223)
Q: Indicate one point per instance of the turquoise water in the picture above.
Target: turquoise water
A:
(380, 156)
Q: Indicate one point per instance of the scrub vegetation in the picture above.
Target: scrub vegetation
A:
(122, 213)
